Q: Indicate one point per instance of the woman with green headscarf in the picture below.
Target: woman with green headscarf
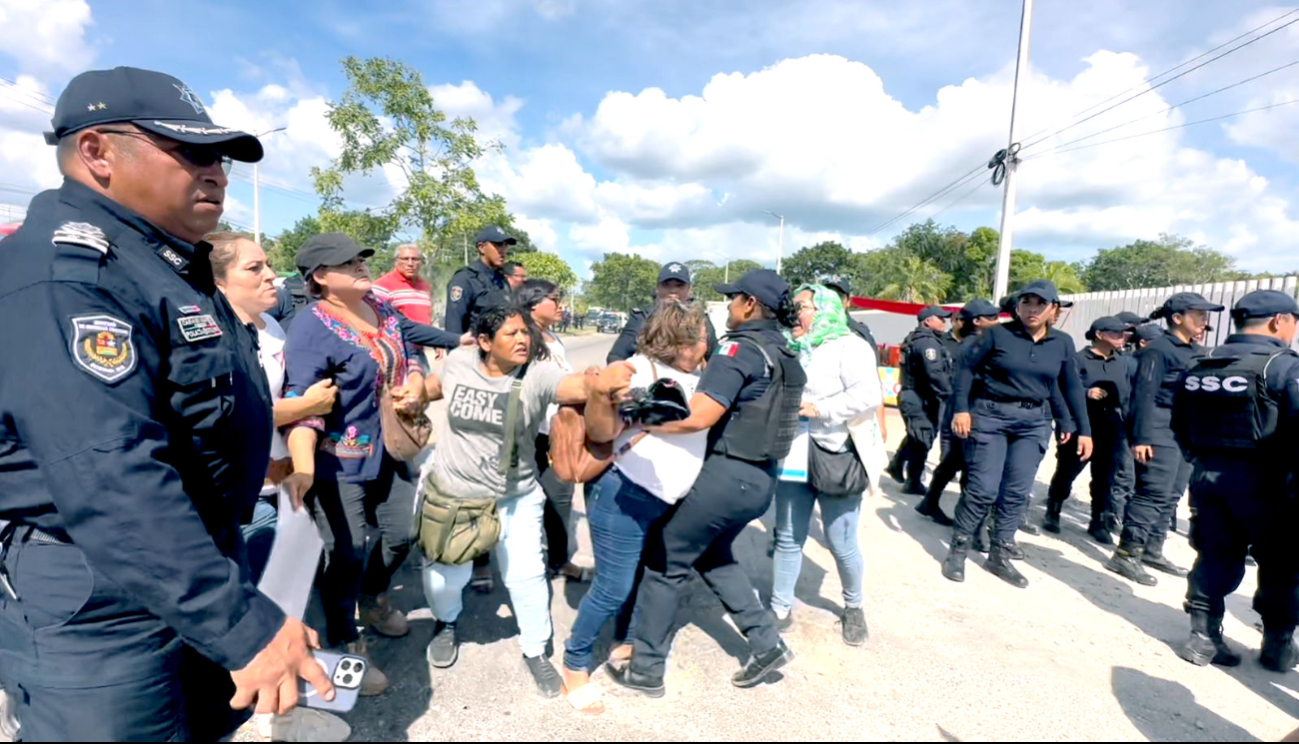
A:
(842, 384)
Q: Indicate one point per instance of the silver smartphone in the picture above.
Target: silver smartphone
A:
(345, 671)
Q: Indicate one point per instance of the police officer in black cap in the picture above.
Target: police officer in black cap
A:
(1236, 414)
(1162, 469)
(674, 284)
(480, 284)
(970, 322)
(748, 400)
(1106, 377)
(926, 372)
(136, 435)
(1125, 474)
(1003, 385)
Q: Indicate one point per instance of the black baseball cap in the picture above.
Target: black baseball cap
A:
(933, 311)
(837, 282)
(1107, 323)
(1130, 318)
(1185, 301)
(1147, 332)
(979, 309)
(494, 234)
(328, 249)
(764, 285)
(1264, 303)
(1042, 288)
(674, 270)
(153, 101)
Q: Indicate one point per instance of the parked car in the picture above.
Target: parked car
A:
(609, 323)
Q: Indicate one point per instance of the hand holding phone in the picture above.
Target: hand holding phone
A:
(346, 672)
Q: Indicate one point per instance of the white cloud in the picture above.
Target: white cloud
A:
(495, 121)
(542, 233)
(46, 36)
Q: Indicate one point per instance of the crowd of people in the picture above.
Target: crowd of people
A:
(180, 406)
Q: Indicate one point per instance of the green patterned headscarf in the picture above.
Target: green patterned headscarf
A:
(831, 322)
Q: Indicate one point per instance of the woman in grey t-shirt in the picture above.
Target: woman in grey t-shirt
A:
(476, 384)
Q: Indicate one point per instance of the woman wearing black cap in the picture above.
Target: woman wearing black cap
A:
(1004, 421)
(1105, 375)
(1163, 472)
(748, 400)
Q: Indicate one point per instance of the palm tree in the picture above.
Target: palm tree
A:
(913, 279)
(1064, 277)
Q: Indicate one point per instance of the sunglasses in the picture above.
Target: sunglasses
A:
(200, 156)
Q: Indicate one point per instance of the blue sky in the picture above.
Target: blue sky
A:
(665, 128)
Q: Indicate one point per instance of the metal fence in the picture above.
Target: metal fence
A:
(1092, 305)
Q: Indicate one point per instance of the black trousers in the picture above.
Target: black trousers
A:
(1107, 442)
(342, 512)
(698, 535)
(85, 662)
(558, 509)
(922, 418)
(1006, 444)
(952, 458)
(1160, 485)
(1244, 507)
(1125, 479)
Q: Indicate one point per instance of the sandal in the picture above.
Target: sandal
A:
(587, 699)
(482, 580)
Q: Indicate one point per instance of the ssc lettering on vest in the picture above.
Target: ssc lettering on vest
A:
(1210, 384)
(471, 409)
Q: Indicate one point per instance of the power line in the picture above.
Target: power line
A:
(1169, 80)
(32, 92)
(959, 182)
(978, 184)
(1170, 108)
(1166, 129)
(26, 103)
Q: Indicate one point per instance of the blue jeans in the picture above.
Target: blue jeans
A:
(840, 516)
(620, 514)
(259, 535)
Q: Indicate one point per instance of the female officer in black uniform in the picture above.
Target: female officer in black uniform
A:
(748, 400)
(1005, 424)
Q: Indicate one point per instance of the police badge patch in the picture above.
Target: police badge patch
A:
(457, 293)
(931, 354)
(101, 345)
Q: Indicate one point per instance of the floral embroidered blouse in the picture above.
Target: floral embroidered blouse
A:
(320, 345)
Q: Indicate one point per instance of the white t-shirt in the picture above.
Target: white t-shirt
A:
(270, 352)
(559, 357)
(666, 465)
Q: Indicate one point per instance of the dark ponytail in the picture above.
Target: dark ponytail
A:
(787, 313)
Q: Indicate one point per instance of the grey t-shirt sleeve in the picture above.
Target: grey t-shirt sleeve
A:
(540, 388)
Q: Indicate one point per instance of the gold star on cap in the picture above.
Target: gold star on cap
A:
(102, 106)
(91, 107)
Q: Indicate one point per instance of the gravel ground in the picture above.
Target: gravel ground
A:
(1079, 655)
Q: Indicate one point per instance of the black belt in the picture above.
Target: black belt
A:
(1018, 402)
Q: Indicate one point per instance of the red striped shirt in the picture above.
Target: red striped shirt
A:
(409, 298)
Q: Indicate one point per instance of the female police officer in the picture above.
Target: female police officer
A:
(1162, 470)
(1005, 424)
(748, 400)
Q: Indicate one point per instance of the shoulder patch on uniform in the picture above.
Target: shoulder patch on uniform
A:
(457, 293)
(728, 348)
(102, 346)
(198, 327)
(931, 354)
(81, 233)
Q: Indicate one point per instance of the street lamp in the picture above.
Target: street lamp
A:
(257, 192)
(780, 252)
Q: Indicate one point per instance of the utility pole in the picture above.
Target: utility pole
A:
(1002, 281)
(780, 250)
(257, 193)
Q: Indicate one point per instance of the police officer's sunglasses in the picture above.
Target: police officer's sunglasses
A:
(200, 156)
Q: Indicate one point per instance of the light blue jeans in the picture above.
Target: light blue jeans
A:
(840, 516)
(523, 568)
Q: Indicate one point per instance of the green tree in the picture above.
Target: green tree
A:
(281, 249)
(550, 267)
(1064, 276)
(388, 118)
(815, 261)
(706, 279)
(916, 280)
(1164, 262)
(622, 282)
(968, 259)
(1025, 266)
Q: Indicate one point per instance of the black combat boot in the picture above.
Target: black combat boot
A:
(931, 508)
(1100, 533)
(1279, 651)
(1126, 562)
(914, 485)
(895, 467)
(1001, 567)
(981, 535)
(1051, 522)
(1206, 644)
(954, 565)
(1154, 557)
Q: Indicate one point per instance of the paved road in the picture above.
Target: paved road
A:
(1079, 655)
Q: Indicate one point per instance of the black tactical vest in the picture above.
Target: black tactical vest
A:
(764, 429)
(1223, 404)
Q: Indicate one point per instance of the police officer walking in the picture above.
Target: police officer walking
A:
(480, 284)
(1105, 376)
(748, 400)
(926, 384)
(1002, 388)
(971, 320)
(137, 432)
(1236, 414)
(674, 284)
(1162, 469)
(1125, 468)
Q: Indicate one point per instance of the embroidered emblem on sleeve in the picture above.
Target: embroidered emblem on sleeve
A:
(931, 354)
(102, 346)
(81, 233)
(457, 293)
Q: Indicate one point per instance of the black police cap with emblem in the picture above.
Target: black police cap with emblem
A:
(674, 272)
(152, 101)
(1264, 303)
(494, 234)
(979, 308)
(933, 311)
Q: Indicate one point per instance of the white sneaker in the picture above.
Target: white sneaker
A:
(308, 724)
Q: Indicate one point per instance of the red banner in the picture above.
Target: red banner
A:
(890, 306)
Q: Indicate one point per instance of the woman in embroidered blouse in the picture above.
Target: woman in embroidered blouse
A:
(341, 469)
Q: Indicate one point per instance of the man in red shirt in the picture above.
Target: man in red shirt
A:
(404, 288)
